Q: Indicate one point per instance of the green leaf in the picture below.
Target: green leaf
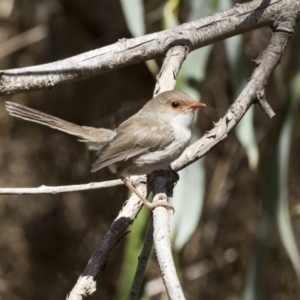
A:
(246, 135)
(134, 16)
(283, 213)
(170, 14)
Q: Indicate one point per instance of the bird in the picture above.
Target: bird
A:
(147, 141)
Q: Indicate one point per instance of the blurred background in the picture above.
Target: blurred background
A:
(236, 230)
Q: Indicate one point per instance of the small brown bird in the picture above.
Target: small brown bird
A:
(149, 140)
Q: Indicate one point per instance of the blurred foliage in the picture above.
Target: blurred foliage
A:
(232, 233)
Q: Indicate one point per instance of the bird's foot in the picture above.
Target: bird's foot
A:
(164, 204)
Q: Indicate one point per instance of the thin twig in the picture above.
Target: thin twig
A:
(264, 105)
(60, 189)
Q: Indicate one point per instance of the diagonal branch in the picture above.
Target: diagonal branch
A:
(260, 76)
(196, 34)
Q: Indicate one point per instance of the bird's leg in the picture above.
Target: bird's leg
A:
(135, 191)
(148, 204)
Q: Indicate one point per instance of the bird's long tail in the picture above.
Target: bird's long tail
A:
(95, 138)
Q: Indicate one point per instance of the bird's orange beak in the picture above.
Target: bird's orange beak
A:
(196, 105)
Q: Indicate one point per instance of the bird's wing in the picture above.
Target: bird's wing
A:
(132, 140)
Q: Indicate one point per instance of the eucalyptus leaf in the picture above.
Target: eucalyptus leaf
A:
(134, 16)
(283, 213)
(246, 135)
(170, 14)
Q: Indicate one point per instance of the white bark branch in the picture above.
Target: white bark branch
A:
(196, 34)
(264, 105)
(269, 60)
(85, 286)
(162, 185)
(60, 189)
(161, 224)
(166, 78)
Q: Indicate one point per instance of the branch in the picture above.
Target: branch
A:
(166, 78)
(269, 59)
(161, 224)
(264, 105)
(196, 34)
(60, 189)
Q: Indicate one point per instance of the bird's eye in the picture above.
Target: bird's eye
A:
(175, 104)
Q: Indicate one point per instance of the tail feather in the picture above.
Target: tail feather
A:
(95, 138)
